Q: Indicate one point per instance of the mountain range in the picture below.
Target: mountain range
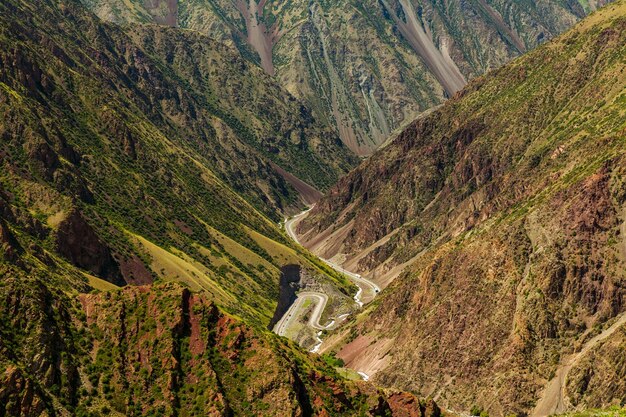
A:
(153, 154)
(366, 68)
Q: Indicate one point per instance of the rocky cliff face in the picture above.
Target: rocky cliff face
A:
(505, 210)
(162, 350)
(365, 67)
(78, 242)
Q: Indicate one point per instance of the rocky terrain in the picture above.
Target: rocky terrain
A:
(150, 150)
(141, 158)
(121, 167)
(122, 154)
(162, 350)
(182, 83)
(368, 67)
(497, 224)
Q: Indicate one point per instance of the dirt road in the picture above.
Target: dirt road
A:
(320, 301)
(367, 288)
(554, 399)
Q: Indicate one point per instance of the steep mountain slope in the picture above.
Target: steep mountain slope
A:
(507, 208)
(121, 166)
(260, 121)
(127, 162)
(261, 113)
(366, 67)
(162, 351)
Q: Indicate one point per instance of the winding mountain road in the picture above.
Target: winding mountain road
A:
(320, 300)
(363, 283)
(554, 399)
(289, 224)
(360, 282)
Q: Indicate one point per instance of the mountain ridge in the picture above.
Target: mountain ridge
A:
(159, 160)
(122, 164)
(365, 68)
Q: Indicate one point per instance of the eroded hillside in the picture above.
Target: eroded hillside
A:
(365, 67)
(505, 210)
(124, 164)
(124, 156)
(162, 350)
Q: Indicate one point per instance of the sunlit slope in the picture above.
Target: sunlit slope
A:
(505, 210)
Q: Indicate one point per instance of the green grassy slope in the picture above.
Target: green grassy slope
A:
(120, 160)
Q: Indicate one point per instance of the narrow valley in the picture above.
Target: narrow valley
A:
(291, 321)
(350, 208)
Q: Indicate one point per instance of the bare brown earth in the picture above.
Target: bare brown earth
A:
(308, 193)
(442, 66)
(367, 355)
(260, 37)
(165, 12)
